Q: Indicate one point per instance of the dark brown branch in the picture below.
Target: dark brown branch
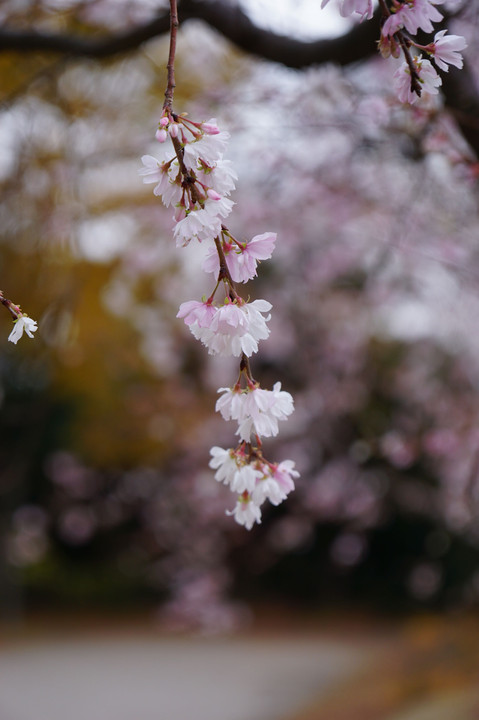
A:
(79, 46)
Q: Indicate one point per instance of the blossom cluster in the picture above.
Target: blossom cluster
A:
(402, 19)
(192, 176)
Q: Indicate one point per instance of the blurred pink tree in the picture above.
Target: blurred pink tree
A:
(373, 285)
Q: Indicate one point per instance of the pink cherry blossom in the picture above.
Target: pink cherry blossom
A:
(242, 258)
(235, 328)
(284, 474)
(428, 78)
(447, 50)
(200, 312)
(210, 127)
(276, 483)
(348, 7)
(413, 15)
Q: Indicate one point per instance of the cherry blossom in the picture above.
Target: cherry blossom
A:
(268, 489)
(242, 258)
(235, 329)
(413, 15)
(233, 469)
(348, 7)
(447, 50)
(220, 177)
(224, 462)
(199, 312)
(208, 148)
(276, 483)
(246, 512)
(254, 479)
(165, 174)
(198, 224)
(23, 323)
(255, 409)
(428, 77)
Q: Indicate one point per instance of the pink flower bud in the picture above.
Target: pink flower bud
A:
(213, 194)
(174, 130)
(161, 135)
(164, 121)
(210, 129)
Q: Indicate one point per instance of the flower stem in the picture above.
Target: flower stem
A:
(170, 87)
(14, 310)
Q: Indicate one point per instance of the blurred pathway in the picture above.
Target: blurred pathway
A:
(428, 669)
(169, 679)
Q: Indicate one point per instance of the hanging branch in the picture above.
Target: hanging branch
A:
(197, 182)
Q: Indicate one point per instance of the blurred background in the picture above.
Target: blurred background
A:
(107, 505)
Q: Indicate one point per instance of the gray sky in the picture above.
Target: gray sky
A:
(302, 18)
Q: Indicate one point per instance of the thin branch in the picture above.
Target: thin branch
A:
(170, 87)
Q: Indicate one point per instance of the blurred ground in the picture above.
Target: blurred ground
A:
(427, 670)
(282, 669)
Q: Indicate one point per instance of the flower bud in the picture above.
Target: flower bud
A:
(213, 194)
(161, 135)
(209, 128)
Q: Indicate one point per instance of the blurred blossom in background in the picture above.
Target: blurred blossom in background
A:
(111, 522)
(106, 419)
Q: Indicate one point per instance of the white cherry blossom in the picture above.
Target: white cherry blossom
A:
(208, 148)
(166, 175)
(220, 177)
(268, 489)
(256, 410)
(246, 512)
(224, 462)
(23, 323)
(233, 469)
(197, 224)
